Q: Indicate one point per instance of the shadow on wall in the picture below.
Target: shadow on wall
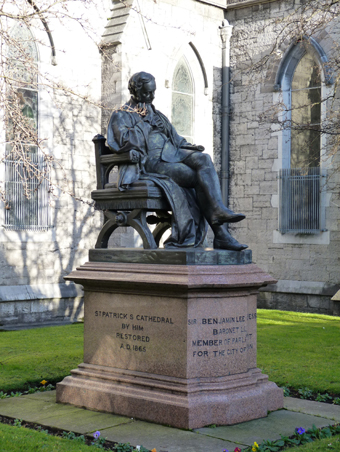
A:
(33, 263)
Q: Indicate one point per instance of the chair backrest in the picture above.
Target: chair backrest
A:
(100, 149)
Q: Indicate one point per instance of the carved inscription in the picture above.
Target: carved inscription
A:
(228, 336)
(132, 335)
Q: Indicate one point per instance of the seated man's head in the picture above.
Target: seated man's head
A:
(142, 87)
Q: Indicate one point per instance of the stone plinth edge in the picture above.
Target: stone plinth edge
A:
(181, 403)
(149, 277)
(189, 256)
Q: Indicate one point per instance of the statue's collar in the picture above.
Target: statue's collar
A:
(131, 103)
(135, 105)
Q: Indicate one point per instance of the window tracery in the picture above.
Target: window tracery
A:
(182, 114)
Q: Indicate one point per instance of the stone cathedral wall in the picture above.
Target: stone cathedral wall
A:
(306, 265)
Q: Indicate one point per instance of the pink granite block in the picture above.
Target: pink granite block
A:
(171, 344)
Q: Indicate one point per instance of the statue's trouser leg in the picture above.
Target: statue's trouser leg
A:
(199, 173)
(223, 239)
(207, 181)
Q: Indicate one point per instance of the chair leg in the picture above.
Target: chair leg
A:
(159, 230)
(136, 219)
(108, 228)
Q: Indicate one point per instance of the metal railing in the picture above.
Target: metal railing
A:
(299, 191)
(32, 211)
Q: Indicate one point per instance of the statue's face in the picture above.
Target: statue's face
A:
(146, 94)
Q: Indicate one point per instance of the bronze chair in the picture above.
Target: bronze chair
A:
(129, 207)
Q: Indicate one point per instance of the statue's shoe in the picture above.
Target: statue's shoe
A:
(226, 216)
(229, 244)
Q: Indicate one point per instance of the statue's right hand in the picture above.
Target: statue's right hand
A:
(134, 155)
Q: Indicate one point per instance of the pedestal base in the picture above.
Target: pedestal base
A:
(180, 403)
(171, 344)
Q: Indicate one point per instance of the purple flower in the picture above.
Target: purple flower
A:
(96, 434)
(300, 430)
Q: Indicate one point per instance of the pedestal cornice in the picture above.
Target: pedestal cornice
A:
(135, 277)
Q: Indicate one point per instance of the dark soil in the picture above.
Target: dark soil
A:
(295, 393)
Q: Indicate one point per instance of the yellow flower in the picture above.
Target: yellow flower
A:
(154, 450)
(255, 447)
(43, 382)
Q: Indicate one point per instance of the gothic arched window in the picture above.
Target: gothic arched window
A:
(182, 112)
(26, 188)
(300, 77)
(305, 114)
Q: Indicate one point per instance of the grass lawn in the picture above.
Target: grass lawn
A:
(30, 356)
(322, 445)
(300, 349)
(19, 439)
(293, 349)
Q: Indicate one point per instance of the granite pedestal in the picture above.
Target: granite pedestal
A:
(171, 338)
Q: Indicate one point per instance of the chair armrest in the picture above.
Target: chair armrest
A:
(106, 159)
(117, 159)
(100, 146)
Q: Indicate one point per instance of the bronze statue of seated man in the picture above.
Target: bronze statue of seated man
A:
(139, 127)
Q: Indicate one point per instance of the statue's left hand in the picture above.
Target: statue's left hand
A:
(199, 147)
(193, 147)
